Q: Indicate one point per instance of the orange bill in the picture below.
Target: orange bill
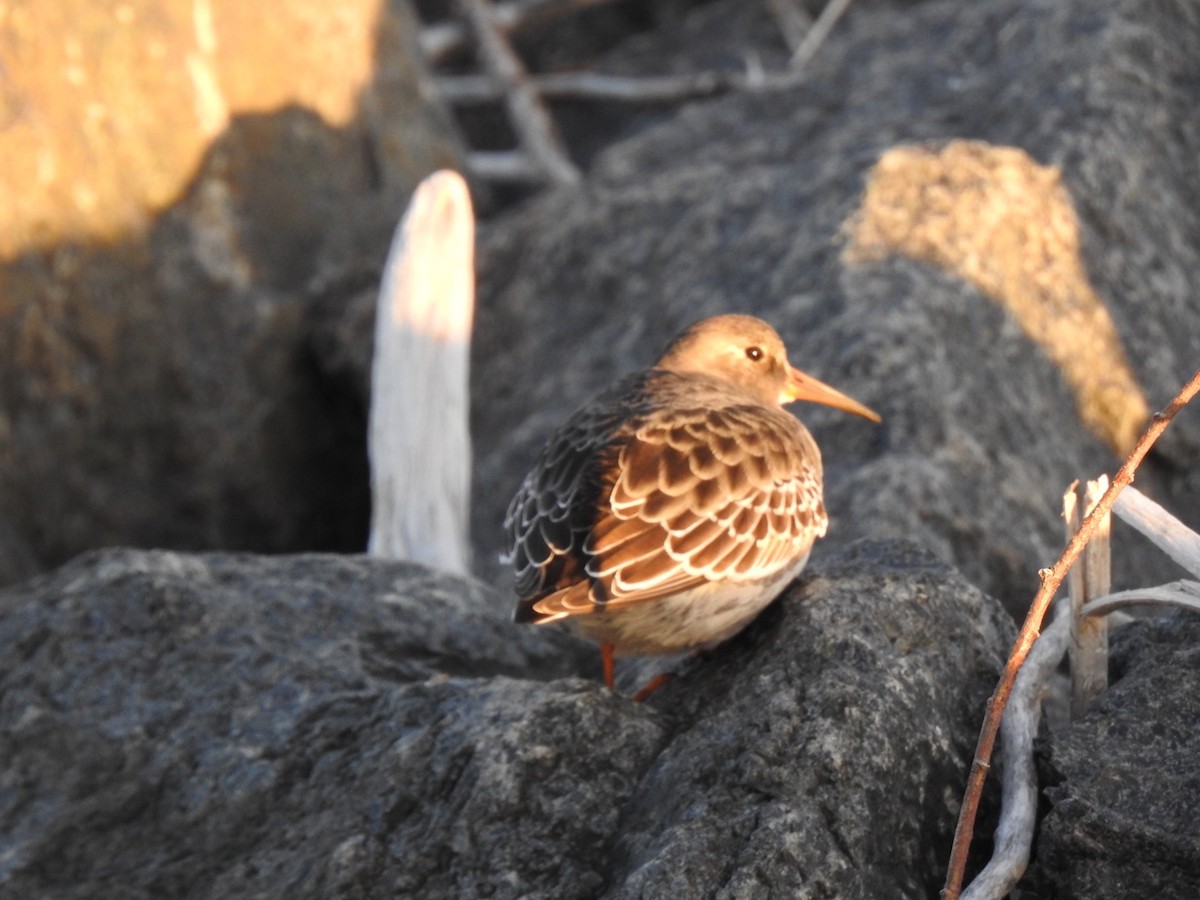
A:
(804, 387)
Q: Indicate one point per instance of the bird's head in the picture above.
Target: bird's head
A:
(749, 353)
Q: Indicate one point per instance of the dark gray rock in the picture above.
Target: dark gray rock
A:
(215, 726)
(824, 748)
(741, 204)
(315, 726)
(1122, 822)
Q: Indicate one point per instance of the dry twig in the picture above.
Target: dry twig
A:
(596, 86)
(1018, 780)
(1051, 581)
(535, 129)
(504, 165)
(541, 155)
(1089, 634)
(1172, 537)
(793, 21)
(1165, 531)
(620, 88)
(1180, 594)
(818, 33)
(440, 40)
(1014, 834)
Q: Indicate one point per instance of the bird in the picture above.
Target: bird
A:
(666, 513)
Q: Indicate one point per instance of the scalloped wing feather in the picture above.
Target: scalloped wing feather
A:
(625, 508)
(741, 509)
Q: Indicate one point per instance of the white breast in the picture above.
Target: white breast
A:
(698, 618)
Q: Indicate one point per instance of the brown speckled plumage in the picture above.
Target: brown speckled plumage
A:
(670, 510)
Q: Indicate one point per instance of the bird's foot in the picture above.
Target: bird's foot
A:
(651, 686)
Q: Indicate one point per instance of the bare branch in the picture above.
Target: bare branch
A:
(1183, 594)
(1166, 532)
(1014, 834)
(468, 88)
(594, 86)
(818, 33)
(1076, 588)
(1089, 636)
(536, 132)
(793, 21)
(1051, 580)
(440, 40)
(504, 166)
(1018, 778)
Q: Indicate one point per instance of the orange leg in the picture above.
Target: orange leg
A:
(606, 660)
(651, 686)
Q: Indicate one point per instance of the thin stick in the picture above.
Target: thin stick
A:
(594, 86)
(1076, 583)
(1165, 531)
(816, 35)
(1181, 594)
(504, 166)
(793, 21)
(598, 87)
(535, 129)
(1089, 640)
(1018, 779)
(1091, 578)
(1051, 581)
(440, 40)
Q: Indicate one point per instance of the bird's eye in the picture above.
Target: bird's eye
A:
(754, 353)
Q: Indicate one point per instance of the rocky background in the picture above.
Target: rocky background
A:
(980, 219)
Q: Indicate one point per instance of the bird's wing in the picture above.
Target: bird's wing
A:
(555, 506)
(729, 494)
